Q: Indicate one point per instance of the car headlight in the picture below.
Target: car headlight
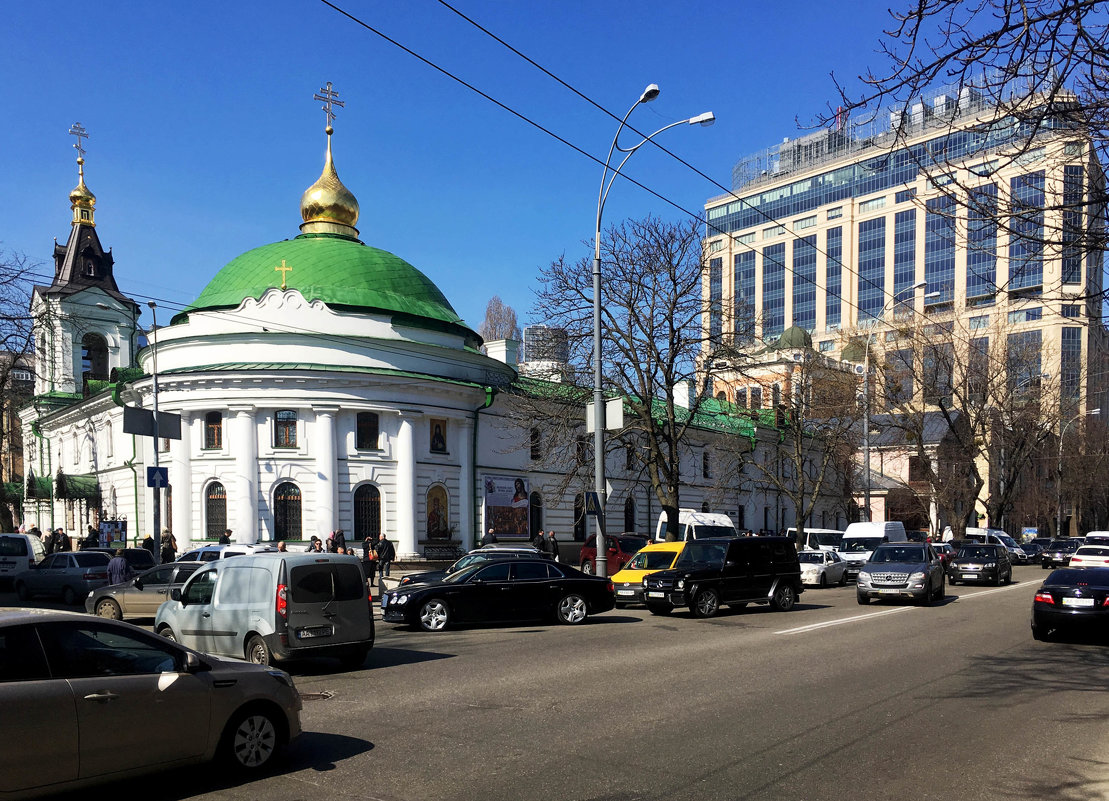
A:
(282, 677)
(401, 599)
(864, 576)
(681, 584)
(920, 575)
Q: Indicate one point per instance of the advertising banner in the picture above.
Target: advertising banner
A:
(506, 506)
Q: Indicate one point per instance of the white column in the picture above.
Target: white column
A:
(403, 530)
(181, 479)
(327, 490)
(243, 514)
(467, 526)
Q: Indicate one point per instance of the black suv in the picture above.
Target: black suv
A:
(732, 571)
(980, 563)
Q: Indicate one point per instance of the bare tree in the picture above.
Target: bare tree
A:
(500, 321)
(651, 327)
(16, 365)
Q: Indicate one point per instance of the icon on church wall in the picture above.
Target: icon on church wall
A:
(438, 436)
(438, 528)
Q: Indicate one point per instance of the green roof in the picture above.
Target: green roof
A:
(337, 270)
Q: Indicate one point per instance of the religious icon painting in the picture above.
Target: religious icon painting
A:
(438, 433)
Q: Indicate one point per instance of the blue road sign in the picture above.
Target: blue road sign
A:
(157, 476)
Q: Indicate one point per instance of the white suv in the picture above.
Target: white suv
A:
(210, 553)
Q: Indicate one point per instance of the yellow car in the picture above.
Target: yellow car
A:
(628, 582)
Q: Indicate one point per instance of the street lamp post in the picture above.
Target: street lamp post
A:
(157, 489)
(1059, 473)
(649, 94)
(866, 395)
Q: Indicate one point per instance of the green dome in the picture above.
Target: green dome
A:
(339, 271)
(794, 338)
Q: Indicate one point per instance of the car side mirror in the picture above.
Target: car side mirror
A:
(138, 584)
(175, 595)
(194, 664)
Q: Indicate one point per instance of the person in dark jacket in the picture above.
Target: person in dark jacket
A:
(539, 542)
(225, 537)
(490, 537)
(386, 553)
(553, 543)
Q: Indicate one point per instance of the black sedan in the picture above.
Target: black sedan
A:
(520, 589)
(476, 557)
(1072, 598)
(1059, 552)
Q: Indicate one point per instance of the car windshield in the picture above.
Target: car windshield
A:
(1062, 545)
(460, 576)
(702, 554)
(860, 544)
(1092, 550)
(701, 531)
(976, 552)
(829, 539)
(652, 560)
(898, 553)
(811, 557)
(1008, 541)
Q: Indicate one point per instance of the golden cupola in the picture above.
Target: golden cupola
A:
(81, 199)
(327, 206)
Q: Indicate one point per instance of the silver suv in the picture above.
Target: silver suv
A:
(902, 570)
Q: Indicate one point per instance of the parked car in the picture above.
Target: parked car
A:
(502, 591)
(210, 553)
(69, 575)
(1072, 599)
(142, 595)
(694, 525)
(1090, 556)
(822, 568)
(18, 552)
(628, 581)
(486, 553)
(621, 548)
(734, 572)
(137, 558)
(945, 551)
(817, 539)
(979, 563)
(1096, 538)
(270, 606)
(1034, 550)
(1043, 542)
(1059, 552)
(902, 570)
(112, 700)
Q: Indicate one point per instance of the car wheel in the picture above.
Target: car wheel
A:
(1044, 567)
(257, 651)
(21, 591)
(843, 579)
(106, 607)
(862, 599)
(954, 582)
(572, 609)
(167, 632)
(943, 589)
(926, 599)
(251, 740)
(1009, 576)
(784, 598)
(659, 609)
(705, 604)
(69, 597)
(587, 567)
(434, 615)
(823, 581)
(354, 659)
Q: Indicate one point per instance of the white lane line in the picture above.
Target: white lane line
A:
(841, 621)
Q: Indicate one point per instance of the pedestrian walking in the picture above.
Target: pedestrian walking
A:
(62, 541)
(554, 544)
(148, 544)
(169, 546)
(225, 537)
(315, 545)
(119, 570)
(490, 537)
(386, 553)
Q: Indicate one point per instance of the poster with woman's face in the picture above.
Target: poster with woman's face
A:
(438, 433)
(506, 505)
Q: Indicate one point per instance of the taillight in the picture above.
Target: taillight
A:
(282, 602)
(611, 587)
(1044, 598)
(95, 575)
(1106, 601)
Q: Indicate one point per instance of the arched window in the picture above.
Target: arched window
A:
(215, 510)
(722, 396)
(535, 512)
(579, 517)
(629, 515)
(368, 431)
(94, 360)
(367, 512)
(286, 511)
(285, 429)
(213, 431)
(536, 445)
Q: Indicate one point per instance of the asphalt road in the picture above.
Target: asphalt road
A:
(832, 700)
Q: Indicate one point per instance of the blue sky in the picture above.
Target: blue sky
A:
(204, 133)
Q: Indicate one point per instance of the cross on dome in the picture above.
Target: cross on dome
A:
(78, 130)
(330, 98)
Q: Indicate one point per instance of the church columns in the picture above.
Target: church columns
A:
(404, 528)
(467, 525)
(327, 488)
(244, 443)
(181, 477)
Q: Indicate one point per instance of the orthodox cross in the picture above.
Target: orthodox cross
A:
(330, 98)
(283, 270)
(77, 130)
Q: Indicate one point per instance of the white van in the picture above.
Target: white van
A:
(694, 525)
(18, 552)
(274, 605)
(996, 536)
(860, 540)
(817, 539)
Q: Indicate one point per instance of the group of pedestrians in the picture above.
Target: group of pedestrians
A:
(546, 543)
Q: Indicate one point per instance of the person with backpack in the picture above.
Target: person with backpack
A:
(169, 546)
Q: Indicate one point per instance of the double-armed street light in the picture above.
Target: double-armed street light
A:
(649, 94)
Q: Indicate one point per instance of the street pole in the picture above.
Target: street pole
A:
(649, 94)
(157, 489)
(1059, 471)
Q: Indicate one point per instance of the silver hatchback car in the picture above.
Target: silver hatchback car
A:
(113, 700)
(142, 595)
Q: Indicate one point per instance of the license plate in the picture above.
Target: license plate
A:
(889, 592)
(970, 576)
(626, 592)
(653, 594)
(1078, 602)
(316, 631)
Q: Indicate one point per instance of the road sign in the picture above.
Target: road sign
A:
(593, 504)
(157, 477)
(141, 422)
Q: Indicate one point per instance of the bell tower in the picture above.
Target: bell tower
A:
(84, 327)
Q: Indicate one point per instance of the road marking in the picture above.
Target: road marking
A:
(868, 616)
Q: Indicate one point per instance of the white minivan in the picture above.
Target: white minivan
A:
(18, 552)
(694, 525)
(860, 540)
(817, 539)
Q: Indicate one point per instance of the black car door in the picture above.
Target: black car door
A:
(532, 590)
(736, 574)
(486, 595)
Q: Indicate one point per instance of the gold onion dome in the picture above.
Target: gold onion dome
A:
(81, 198)
(327, 206)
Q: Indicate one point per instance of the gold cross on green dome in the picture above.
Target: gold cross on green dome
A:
(283, 270)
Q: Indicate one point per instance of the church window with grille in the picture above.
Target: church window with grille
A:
(213, 431)
(285, 429)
